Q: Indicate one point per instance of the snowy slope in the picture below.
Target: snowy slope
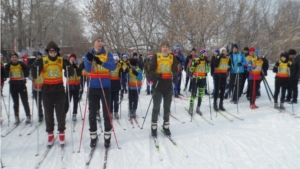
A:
(264, 139)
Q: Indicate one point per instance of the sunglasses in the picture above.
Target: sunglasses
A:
(52, 51)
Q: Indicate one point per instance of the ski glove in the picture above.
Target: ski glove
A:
(239, 64)
(277, 64)
(158, 77)
(135, 72)
(175, 79)
(98, 61)
(37, 62)
(89, 56)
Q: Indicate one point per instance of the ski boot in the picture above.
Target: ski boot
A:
(74, 118)
(166, 128)
(116, 115)
(28, 119)
(216, 107)
(62, 138)
(221, 106)
(17, 120)
(50, 139)
(191, 111)
(107, 136)
(282, 106)
(134, 114)
(148, 92)
(276, 105)
(41, 118)
(198, 111)
(94, 139)
(154, 129)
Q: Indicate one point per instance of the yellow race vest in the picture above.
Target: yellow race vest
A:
(200, 69)
(283, 69)
(114, 75)
(164, 65)
(16, 72)
(256, 72)
(99, 71)
(133, 81)
(38, 82)
(223, 66)
(52, 71)
(74, 80)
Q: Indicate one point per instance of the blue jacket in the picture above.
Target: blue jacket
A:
(235, 59)
(110, 65)
(139, 77)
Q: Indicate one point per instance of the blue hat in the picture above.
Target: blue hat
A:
(258, 52)
(235, 46)
(177, 47)
(217, 51)
(124, 56)
(202, 50)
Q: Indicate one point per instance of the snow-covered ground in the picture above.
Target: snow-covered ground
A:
(265, 139)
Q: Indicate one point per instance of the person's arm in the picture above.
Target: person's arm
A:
(110, 63)
(175, 70)
(7, 70)
(37, 64)
(24, 69)
(153, 67)
(244, 62)
(68, 67)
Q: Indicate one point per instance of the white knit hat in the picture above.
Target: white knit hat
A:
(221, 49)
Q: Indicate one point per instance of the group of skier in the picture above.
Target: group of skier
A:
(108, 78)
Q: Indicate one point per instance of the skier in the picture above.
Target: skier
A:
(265, 68)
(187, 65)
(254, 67)
(2, 79)
(146, 72)
(36, 88)
(53, 91)
(200, 67)
(135, 82)
(292, 95)
(98, 62)
(178, 53)
(115, 87)
(163, 69)
(17, 72)
(212, 66)
(238, 61)
(73, 87)
(124, 72)
(281, 68)
(246, 75)
(222, 65)
(177, 85)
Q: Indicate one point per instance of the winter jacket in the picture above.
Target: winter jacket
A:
(139, 79)
(196, 63)
(51, 88)
(235, 59)
(147, 68)
(109, 64)
(25, 73)
(265, 67)
(295, 68)
(163, 85)
(181, 57)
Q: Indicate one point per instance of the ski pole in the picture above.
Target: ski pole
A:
(121, 80)
(290, 85)
(138, 95)
(264, 78)
(38, 108)
(4, 104)
(267, 91)
(32, 113)
(80, 110)
(174, 101)
(108, 111)
(85, 107)
(149, 105)
(9, 103)
(69, 102)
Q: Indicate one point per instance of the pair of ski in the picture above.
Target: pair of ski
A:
(285, 112)
(205, 119)
(222, 114)
(87, 164)
(49, 147)
(156, 143)
(134, 120)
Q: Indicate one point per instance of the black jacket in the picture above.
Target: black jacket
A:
(24, 71)
(295, 68)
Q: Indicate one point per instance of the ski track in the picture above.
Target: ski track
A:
(265, 138)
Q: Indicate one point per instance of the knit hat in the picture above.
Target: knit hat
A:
(246, 48)
(133, 62)
(221, 50)
(13, 54)
(258, 52)
(177, 47)
(72, 56)
(284, 54)
(150, 56)
(116, 56)
(96, 37)
(217, 51)
(251, 49)
(164, 43)
(52, 45)
(194, 49)
(235, 46)
(124, 56)
(292, 52)
(202, 50)
(134, 54)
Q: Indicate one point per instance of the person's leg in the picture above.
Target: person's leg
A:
(14, 91)
(75, 96)
(59, 110)
(48, 103)
(24, 99)
(94, 99)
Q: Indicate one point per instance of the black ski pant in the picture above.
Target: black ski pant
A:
(292, 89)
(38, 99)
(15, 91)
(75, 95)
(280, 83)
(201, 84)
(133, 98)
(235, 85)
(54, 101)
(220, 84)
(157, 98)
(123, 85)
(95, 95)
(253, 89)
(114, 103)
